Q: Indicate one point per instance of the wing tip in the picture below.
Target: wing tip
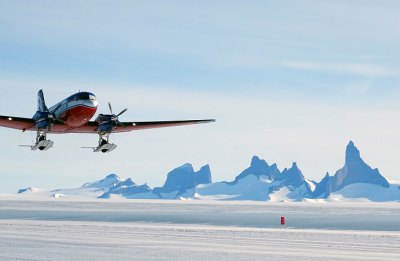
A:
(208, 121)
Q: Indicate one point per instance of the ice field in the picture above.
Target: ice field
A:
(77, 229)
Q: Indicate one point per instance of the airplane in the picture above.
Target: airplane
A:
(73, 114)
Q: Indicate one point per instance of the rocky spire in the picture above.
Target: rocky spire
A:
(355, 170)
(352, 153)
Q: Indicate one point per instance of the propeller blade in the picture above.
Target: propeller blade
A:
(59, 121)
(122, 112)
(109, 106)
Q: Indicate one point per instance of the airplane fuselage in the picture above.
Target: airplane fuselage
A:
(77, 109)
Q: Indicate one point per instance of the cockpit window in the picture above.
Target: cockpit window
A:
(82, 96)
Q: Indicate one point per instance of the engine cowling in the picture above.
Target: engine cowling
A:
(108, 122)
(43, 120)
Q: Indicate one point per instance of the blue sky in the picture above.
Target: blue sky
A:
(286, 80)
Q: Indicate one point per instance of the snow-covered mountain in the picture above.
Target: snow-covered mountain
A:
(129, 189)
(103, 184)
(321, 188)
(259, 168)
(266, 183)
(354, 171)
(260, 181)
(89, 189)
(182, 179)
(108, 187)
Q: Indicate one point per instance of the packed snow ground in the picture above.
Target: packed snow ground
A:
(61, 229)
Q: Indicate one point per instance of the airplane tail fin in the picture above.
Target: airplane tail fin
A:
(41, 103)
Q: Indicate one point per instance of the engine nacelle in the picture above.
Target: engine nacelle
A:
(107, 122)
(43, 120)
(102, 118)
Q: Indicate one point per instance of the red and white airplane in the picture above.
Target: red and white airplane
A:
(73, 115)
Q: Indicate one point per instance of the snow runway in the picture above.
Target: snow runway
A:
(176, 230)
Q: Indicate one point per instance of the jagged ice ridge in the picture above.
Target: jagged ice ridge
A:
(260, 181)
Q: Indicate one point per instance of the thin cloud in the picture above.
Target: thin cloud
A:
(363, 69)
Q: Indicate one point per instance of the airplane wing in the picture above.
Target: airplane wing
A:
(17, 123)
(91, 126)
(130, 126)
(27, 124)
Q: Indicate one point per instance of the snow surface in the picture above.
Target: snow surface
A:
(81, 229)
(369, 192)
(249, 187)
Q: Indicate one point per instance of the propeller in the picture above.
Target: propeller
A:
(59, 121)
(111, 120)
(109, 106)
(122, 112)
(43, 117)
(45, 120)
(52, 116)
(119, 114)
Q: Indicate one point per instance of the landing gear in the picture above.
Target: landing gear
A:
(103, 142)
(104, 146)
(41, 142)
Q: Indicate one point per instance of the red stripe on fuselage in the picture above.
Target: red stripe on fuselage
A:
(78, 115)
